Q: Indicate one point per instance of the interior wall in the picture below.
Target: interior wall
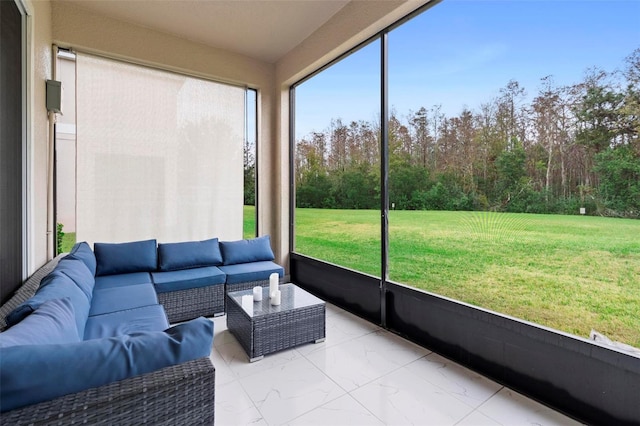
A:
(39, 69)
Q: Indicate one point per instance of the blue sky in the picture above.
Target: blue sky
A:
(461, 52)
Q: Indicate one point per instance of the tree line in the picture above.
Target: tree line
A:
(570, 147)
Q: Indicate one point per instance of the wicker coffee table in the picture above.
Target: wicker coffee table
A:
(262, 328)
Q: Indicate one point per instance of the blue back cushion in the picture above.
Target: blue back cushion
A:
(253, 271)
(191, 254)
(82, 251)
(244, 251)
(52, 322)
(36, 373)
(79, 274)
(122, 258)
(187, 279)
(56, 285)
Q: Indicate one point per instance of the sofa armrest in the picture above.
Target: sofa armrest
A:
(182, 394)
(26, 290)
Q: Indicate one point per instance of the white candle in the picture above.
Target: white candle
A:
(247, 304)
(275, 298)
(273, 283)
(257, 294)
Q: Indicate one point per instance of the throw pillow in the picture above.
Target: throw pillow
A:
(192, 254)
(245, 251)
(123, 258)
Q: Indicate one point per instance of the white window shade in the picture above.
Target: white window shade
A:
(159, 155)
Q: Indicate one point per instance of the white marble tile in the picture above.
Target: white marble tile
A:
(285, 392)
(464, 384)
(341, 327)
(391, 381)
(331, 310)
(341, 411)
(401, 398)
(238, 360)
(511, 408)
(221, 335)
(234, 407)
(354, 363)
(477, 419)
(223, 372)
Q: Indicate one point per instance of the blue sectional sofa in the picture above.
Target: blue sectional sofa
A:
(73, 351)
(88, 337)
(190, 278)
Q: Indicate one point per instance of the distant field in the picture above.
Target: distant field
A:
(572, 273)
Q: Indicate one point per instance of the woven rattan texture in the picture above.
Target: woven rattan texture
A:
(183, 305)
(247, 285)
(182, 394)
(277, 331)
(26, 291)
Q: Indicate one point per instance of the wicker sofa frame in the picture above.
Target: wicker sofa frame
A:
(247, 285)
(183, 305)
(182, 394)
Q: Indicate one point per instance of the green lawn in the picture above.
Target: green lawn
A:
(572, 273)
(249, 222)
(68, 240)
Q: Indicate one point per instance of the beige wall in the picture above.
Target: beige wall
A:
(70, 26)
(39, 67)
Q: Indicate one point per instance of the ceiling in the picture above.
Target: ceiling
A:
(262, 29)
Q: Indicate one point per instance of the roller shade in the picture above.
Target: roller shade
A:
(159, 154)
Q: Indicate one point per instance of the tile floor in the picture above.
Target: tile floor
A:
(360, 375)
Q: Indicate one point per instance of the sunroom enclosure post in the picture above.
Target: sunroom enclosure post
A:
(384, 176)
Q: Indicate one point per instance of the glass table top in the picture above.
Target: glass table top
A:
(292, 297)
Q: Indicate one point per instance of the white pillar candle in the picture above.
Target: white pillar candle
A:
(275, 298)
(273, 283)
(247, 304)
(257, 294)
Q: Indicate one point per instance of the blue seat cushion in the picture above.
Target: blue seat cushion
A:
(245, 251)
(82, 251)
(78, 272)
(111, 299)
(58, 286)
(187, 278)
(122, 280)
(122, 258)
(36, 373)
(254, 271)
(191, 254)
(144, 318)
(52, 322)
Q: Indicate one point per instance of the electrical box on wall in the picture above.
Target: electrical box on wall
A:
(54, 96)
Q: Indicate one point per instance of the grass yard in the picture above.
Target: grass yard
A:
(249, 222)
(68, 240)
(571, 273)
